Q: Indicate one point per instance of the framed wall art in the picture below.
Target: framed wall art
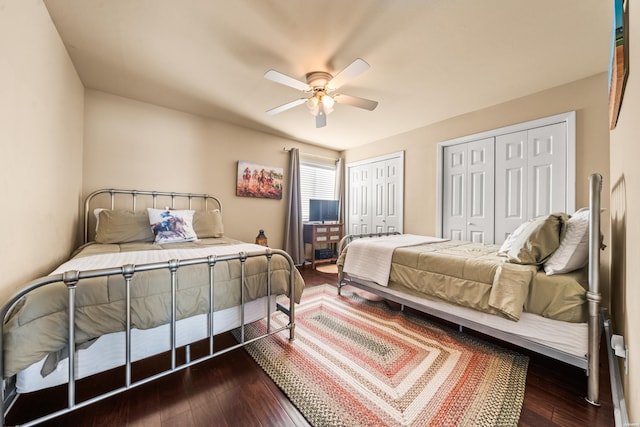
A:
(618, 64)
(256, 180)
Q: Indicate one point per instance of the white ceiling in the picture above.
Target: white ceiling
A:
(430, 59)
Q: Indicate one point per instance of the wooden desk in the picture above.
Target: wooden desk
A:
(322, 236)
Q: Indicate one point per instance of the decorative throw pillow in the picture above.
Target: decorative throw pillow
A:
(172, 226)
(208, 224)
(539, 238)
(573, 252)
(122, 226)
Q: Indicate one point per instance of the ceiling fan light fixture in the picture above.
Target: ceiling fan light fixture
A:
(328, 102)
(316, 100)
(312, 104)
(319, 85)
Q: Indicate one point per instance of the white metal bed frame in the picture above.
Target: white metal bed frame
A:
(72, 278)
(591, 360)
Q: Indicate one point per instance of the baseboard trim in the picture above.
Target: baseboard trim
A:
(617, 394)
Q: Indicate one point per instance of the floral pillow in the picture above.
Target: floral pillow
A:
(172, 226)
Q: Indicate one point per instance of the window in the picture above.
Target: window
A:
(317, 181)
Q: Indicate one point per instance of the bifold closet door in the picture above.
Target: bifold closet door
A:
(511, 183)
(468, 191)
(387, 195)
(359, 209)
(531, 176)
(375, 195)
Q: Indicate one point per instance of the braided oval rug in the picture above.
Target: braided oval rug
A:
(356, 362)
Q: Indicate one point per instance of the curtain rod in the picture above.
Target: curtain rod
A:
(313, 155)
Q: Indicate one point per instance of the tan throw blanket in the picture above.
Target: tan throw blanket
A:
(370, 259)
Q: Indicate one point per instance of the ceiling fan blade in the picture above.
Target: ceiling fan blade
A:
(321, 117)
(287, 106)
(355, 101)
(283, 79)
(353, 70)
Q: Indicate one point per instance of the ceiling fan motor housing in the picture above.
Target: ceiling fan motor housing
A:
(318, 79)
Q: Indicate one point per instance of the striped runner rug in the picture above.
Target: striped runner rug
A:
(356, 362)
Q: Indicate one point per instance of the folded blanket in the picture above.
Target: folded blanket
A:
(370, 259)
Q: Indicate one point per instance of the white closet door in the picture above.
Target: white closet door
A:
(454, 182)
(359, 200)
(392, 196)
(480, 175)
(547, 164)
(511, 183)
(378, 195)
(531, 176)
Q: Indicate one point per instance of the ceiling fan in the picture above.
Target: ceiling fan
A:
(321, 85)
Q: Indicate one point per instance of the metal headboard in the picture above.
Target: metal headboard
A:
(149, 196)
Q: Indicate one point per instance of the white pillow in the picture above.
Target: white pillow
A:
(573, 252)
(171, 226)
(96, 213)
(511, 238)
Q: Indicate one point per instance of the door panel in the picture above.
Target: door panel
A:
(547, 163)
(359, 196)
(468, 191)
(393, 195)
(378, 171)
(511, 183)
(480, 175)
(454, 221)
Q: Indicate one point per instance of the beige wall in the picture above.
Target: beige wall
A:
(134, 145)
(588, 97)
(41, 115)
(47, 169)
(625, 222)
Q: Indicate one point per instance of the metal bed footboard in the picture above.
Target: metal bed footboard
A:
(591, 360)
(71, 280)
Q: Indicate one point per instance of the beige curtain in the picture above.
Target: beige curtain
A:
(293, 241)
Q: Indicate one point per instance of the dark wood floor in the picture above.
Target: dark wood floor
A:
(232, 390)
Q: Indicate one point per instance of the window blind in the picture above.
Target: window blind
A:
(317, 181)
